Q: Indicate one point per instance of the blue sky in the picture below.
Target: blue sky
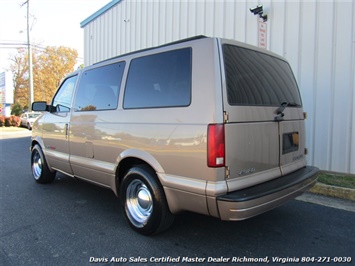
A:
(55, 23)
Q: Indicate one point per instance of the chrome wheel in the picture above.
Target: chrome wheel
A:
(143, 201)
(40, 170)
(36, 165)
(139, 203)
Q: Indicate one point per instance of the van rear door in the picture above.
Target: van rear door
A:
(264, 126)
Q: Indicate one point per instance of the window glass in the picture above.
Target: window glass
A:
(159, 80)
(33, 115)
(62, 99)
(255, 78)
(99, 88)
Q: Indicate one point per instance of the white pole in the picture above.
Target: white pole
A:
(30, 72)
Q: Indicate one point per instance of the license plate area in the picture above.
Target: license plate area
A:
(290, 142)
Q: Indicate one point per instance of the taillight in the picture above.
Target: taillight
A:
(215, 145)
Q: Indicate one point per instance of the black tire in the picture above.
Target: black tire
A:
(143, 201)
(29, 126)
(39, 167)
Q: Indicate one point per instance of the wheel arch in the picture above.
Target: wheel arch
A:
(41, 171)
(37, 140)
(134, 157)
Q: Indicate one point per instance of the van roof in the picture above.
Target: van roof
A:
(155, 47)
(198, 37)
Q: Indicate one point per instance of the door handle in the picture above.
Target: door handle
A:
(66, 130)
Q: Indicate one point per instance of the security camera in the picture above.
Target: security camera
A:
(257, 10)
(264, 17)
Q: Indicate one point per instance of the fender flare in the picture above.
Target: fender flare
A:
(38, 139)
(142, 155)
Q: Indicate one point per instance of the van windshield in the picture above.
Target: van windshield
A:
(255, 78)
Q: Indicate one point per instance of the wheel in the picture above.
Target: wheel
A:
(143, 201)
(40, 170)
(29, 126)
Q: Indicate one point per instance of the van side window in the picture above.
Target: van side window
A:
(99, 88)
(63, 98)
(259, 79)
(159, 80)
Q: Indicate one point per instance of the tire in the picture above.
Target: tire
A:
(143, 201)
(29, 126)
(40, 169)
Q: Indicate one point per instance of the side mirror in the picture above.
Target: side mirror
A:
(39, 106)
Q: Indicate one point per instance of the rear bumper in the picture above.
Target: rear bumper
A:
(246, 203)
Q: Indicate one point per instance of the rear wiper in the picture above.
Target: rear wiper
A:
(279, 111)
(284, 105)
(293, 104)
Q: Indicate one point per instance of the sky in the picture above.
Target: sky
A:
(54, 23)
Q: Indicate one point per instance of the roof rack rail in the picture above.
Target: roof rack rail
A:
(154, 47)
(184, 40)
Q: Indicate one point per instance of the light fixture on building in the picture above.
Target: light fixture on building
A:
(258, 10)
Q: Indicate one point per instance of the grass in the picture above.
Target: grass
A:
(337, 180)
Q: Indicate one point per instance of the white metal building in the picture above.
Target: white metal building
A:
(317, 37)
(6, 93)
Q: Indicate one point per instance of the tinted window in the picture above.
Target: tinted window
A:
(159, 80)
(63, 98)
(255, 78)
(99, 88)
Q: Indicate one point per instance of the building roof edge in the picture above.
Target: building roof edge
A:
(99, 13)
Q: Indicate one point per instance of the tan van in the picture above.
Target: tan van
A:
(206, 125)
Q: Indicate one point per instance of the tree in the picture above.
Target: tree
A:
(17, 109)
(50, 66)
(19, 69)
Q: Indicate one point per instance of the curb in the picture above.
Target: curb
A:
(332, 191)
(14, 134)
(9, 130)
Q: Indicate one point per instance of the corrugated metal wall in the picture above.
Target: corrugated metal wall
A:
(317, 37)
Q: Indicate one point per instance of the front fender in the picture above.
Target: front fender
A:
(37, 140)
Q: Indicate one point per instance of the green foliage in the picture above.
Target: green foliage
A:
(17, 109)
(338, 180)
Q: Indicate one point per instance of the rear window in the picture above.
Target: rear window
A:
(254, 78)
(159, 80)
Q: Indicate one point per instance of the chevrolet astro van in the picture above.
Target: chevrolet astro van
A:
(206, 125)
